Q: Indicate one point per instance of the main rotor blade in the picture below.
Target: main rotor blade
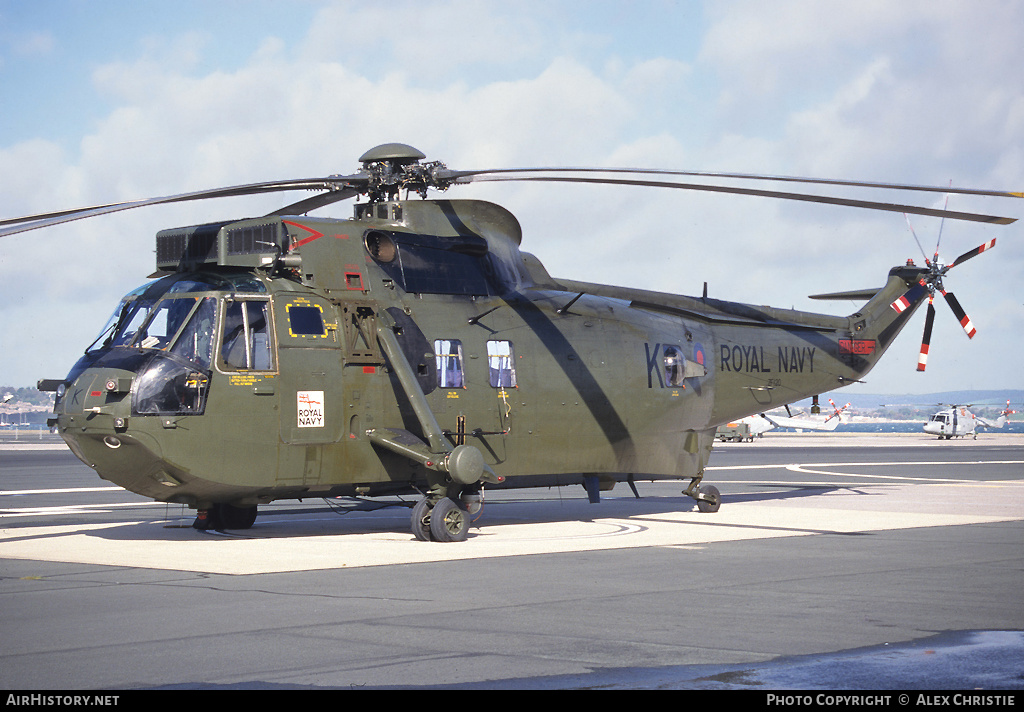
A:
(469, 176)
(33, 222)
(973, 253)
(926, 340)
(764, 193)
(317, 201)
(961, 315)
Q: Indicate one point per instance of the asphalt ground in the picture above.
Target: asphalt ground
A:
(836, 562)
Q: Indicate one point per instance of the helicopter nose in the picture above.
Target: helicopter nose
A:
(98, 392)
(93, 418)
(92, 412)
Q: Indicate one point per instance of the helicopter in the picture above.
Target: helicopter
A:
(416, 349)
(746, 429)
(956, 421)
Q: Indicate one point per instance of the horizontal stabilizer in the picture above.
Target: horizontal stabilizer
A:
(860, 295)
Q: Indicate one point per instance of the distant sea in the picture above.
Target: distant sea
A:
(914, 426)
(901, 426)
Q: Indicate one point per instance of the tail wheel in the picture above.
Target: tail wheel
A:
(709, 498)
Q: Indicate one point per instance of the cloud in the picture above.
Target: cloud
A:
(33, 44)
(908, 92)
(431, 41)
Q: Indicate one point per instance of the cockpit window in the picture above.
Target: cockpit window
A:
(134, 315)
(195, 341)
(246, 342)
(144, 324)
(136, 307)
(163, 323)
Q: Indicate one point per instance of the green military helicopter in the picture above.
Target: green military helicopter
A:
(415, 348)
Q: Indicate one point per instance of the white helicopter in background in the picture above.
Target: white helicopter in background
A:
(957, 421)
(746, 429)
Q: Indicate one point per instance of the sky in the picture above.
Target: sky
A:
(127, 99)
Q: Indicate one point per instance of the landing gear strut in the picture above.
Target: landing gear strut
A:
(707, 496)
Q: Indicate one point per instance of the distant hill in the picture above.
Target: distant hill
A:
(28, 395)
(872, 402)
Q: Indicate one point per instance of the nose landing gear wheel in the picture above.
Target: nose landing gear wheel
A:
(449, 521)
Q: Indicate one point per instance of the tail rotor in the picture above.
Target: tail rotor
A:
(931, 282)
(837, 412)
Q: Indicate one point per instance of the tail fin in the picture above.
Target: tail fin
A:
(922, 282)
(875, 325)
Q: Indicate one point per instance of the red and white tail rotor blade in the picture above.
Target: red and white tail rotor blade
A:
(926, 340)
(910, 297)
(961, 315)
(973, 253)
(836, 410)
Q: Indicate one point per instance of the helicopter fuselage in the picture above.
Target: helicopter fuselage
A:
(952, 423)
(290, 357)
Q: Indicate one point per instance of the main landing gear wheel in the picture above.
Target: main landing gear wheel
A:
(710, 500)
(449, 521)
(233, 517)
(420, 520)
(225, 516)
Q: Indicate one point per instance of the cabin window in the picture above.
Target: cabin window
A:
(675, 366)
(448, 359)
(306, 321)
(246, 342)
(501, 363)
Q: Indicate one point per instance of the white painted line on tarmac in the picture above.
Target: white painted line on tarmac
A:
(72, 509)
(807, 469)
(68, 490)
(816, 469)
